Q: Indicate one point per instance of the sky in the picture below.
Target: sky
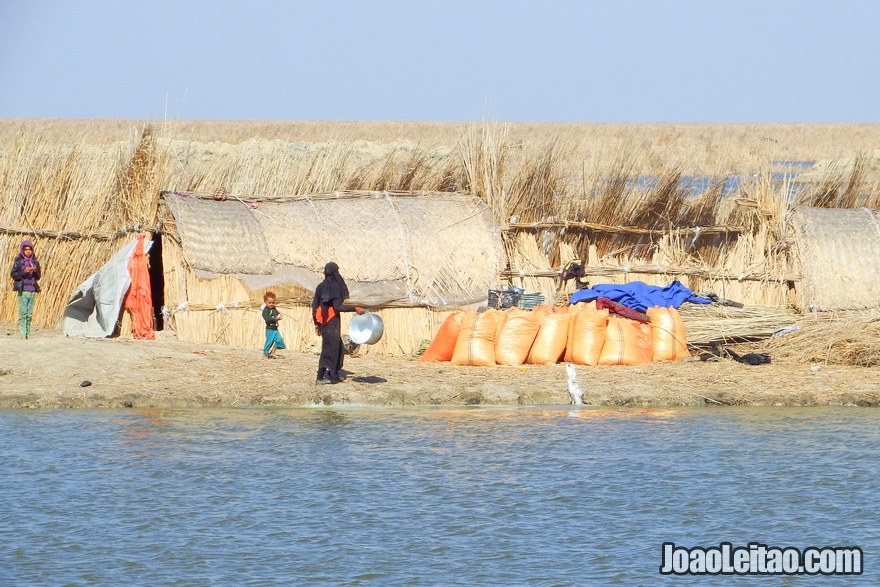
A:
(783, 61)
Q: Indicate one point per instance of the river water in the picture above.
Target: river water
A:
(429, 496)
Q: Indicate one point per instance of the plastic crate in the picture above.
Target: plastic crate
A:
(503, 298)
(530, 300)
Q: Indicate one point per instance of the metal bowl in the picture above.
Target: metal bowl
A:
(366, 328)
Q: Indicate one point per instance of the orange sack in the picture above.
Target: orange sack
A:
(500, 321)
(516, 337)
(443, 345)
(573, 311)
(542, 310)
(669, 335)
(627, 342)
(549, 345)
(586, 334)
(476, 339)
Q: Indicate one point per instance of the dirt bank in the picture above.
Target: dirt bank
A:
(47, 370)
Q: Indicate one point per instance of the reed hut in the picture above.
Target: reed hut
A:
(838, 251)
(412, 256)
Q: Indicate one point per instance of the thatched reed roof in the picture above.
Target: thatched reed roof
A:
(839, 257)
(408, 248)
(223, 237)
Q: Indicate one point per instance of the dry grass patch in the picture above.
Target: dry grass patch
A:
(847, 341)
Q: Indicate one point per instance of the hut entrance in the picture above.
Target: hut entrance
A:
(157, 280)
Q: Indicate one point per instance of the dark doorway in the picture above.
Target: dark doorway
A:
(157, 280)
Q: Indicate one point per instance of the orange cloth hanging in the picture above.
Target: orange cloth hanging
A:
(139, 299)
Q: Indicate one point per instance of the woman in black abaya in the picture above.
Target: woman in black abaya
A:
(326, 308)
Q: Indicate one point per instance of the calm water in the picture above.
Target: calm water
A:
(483, 496)
(781, 172)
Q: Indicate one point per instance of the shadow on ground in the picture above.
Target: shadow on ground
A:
(369, 379)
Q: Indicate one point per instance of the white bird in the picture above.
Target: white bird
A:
(574, 390)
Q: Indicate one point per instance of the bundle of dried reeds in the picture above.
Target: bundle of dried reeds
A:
(853, 341)
(483, 153)
(708, 323)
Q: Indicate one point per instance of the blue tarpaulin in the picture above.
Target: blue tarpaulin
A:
(638, 295)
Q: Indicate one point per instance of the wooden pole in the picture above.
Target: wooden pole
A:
(658, 270)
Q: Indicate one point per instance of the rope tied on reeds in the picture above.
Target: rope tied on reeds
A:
(72, 235)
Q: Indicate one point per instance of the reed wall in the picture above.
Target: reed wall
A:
(78, 188)
(223, 310)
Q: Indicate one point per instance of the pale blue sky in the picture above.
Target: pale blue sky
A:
(449, 60)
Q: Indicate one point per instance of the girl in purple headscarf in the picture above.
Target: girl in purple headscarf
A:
(25, 275)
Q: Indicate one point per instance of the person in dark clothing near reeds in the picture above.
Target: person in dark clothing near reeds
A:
(326, 307)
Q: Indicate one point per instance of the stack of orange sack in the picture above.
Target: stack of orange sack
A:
(545, 335)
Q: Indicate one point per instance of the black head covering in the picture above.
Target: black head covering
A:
(333, 285)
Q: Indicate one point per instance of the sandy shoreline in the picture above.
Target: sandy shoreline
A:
(47, 371)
